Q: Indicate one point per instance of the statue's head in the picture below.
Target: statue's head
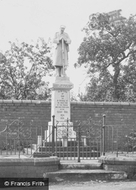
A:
(62, 28)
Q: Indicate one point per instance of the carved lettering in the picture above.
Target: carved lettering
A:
(62, 105)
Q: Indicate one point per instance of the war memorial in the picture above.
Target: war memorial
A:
(37, 135)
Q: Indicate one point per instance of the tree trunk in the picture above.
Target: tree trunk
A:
(116, 95)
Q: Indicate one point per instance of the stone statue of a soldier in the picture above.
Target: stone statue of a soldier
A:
(62, 42)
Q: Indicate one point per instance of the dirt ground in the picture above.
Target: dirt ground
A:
(98, 185)
(92, 185)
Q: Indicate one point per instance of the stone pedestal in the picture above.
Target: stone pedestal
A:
(83, 138)
(60, 108)
(61, 99)
(39, 140)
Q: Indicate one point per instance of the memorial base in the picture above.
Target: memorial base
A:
(62, 132)
(64, 142)
(60, 109)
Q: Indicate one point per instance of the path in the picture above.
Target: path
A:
(127, 185)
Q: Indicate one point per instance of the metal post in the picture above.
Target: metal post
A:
(31, 139)
(117, 143)
(53, 127)
(41, 139)
(7, 140)
(103, 138)
(67, 138)
(79, 137)
(19, 141)
(67, 131)
(67, 127)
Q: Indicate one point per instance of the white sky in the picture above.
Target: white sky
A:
(27, 20)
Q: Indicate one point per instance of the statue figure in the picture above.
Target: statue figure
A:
(62, 41)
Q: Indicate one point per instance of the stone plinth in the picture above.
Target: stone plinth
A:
(28, 167)
(61, 99)
(60, 108)
(120, 163)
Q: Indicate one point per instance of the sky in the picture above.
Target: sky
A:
(27, 20)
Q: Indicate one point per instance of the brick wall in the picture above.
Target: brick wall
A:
(120, 120)
(36, 111)
(40, 112)
(118, 115)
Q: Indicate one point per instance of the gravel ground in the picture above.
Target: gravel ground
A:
(92, 185)
(97, 185)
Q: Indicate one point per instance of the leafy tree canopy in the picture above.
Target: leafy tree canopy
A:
(109, 51)
(22, 69)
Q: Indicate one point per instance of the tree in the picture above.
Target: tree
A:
(108, 50)
(22, 69)
(129, 78)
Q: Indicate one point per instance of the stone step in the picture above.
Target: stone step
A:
(71, 151)
(67, 154)
(67, 175)
(83, 165)
(89, 149)
(71, 143)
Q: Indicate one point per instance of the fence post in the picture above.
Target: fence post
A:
(7, 140)
(78, 147)
(19, 141)
(67, 127)
(103, 135)
(53, 127)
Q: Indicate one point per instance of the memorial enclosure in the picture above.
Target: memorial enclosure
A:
(120, 118)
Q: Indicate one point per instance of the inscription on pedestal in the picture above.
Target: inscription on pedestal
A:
(62, 105)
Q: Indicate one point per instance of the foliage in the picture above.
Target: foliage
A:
(109, 52)
(73, 96)
(22, 69)
(129, 79)
(131, 141)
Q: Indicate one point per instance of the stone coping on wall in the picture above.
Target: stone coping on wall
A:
(30, 161)
(28, 167)
(118, 160)
(25, 101)
(105, 103)
(126, 164)
(72, 102)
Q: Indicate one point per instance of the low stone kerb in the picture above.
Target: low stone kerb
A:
(29, 161)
